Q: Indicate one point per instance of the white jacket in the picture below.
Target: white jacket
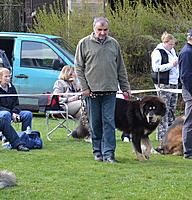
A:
(156, 63)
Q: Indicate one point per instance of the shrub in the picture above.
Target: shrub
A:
(136, 27)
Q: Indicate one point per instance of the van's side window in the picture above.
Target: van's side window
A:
(37, 54)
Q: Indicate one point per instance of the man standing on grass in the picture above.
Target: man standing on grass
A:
(185, 68)
(100, 68)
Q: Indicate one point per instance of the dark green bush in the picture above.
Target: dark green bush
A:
(137, 28)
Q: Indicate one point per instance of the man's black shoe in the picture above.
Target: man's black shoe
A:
(110, 160)
(22, 147)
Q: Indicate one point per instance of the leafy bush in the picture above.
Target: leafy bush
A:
(71, 26)
(136, 27)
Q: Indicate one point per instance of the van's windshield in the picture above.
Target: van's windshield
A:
(64, 45)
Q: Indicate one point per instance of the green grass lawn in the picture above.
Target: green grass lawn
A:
(65, 169)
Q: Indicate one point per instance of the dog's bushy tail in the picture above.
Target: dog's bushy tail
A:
(82, 131)
(7, 179)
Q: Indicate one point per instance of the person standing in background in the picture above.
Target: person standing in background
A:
(100, 68)
(185, 71)
(165, 74)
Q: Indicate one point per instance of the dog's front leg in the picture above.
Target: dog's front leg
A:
(147, 142)
(137, 147)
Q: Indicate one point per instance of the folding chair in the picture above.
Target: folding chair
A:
(49, 104)
(62, 117)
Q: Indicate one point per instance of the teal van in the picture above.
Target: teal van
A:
(36, 61)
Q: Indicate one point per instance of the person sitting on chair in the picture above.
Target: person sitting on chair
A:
(9, 132)
(9, 105)
(67, 84)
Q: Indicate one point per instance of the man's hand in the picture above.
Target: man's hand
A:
(127, 93)
(73, 98)
(86, 93)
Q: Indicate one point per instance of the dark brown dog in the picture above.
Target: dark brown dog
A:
(138, 118)
(172, 141)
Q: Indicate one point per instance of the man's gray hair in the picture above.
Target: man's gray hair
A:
(189, 36)
(102, 20)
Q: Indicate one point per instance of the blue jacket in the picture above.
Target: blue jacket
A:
(185, 67)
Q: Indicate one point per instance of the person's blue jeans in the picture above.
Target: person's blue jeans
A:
(25, 118)
(9, 132)
(102, 124)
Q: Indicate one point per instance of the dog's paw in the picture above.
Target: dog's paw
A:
(143, 159)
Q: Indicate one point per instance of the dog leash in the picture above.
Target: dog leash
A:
(137, 98)
(94, 94)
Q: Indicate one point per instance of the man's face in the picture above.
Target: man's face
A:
(101, 31)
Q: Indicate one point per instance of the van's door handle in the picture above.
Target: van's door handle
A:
(21, 76)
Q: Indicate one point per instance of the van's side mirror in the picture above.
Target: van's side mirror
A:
(56, 64)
